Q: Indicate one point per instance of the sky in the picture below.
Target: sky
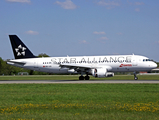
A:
(81, 27)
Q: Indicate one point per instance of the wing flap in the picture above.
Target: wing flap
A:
(73, 66)
(78, 67)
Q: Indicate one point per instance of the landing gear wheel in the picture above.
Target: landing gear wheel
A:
(81, 78)
(87, 77)
(135, 78)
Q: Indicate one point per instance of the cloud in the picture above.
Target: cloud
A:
(119, 33)
(137, 9)
(103, 38)
(99, 33)
(108, 4)
(139, 3)
(68, 4)
(136, 3)
(19, 1)
(32, 32)
(83, 42)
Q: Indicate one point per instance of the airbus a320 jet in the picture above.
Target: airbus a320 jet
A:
(97, 66)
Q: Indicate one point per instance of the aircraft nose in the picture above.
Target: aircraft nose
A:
(154, 65)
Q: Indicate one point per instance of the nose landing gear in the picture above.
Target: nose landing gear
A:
(135, 77)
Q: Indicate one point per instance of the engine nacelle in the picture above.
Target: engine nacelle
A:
(109, 74)
(101, 73)
(72, 71)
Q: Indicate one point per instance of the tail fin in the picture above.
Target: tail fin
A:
(19, 49)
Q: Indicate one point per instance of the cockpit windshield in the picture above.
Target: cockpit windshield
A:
(147, 60)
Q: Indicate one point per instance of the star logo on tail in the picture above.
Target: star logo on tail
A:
(20, 50)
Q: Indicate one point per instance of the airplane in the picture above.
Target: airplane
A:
(97, 66)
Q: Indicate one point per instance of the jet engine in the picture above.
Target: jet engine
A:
(101, 73)
(72, 71)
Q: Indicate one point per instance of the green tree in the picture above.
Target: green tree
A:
(1, 65)
(43, 55)
(157, 64)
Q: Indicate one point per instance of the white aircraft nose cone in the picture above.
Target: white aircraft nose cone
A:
(154, 65)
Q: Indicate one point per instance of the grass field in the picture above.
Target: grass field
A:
(75, 77)
(79, 101)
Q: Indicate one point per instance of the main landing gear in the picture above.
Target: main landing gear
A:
(135, 77)
(84, 78)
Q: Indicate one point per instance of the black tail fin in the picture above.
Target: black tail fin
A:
(19, 49)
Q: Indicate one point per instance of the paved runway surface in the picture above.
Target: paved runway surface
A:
(75, 81)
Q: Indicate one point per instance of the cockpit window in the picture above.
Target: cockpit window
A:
(147, 60)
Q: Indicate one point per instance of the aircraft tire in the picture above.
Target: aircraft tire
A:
(87, 77)
(81, 78)
(135, 78)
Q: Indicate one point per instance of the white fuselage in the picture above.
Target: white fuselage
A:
(115, 63)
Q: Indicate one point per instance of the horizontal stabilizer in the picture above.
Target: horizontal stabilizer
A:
(18, 63)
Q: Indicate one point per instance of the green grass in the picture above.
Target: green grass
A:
(79, 101)
(75, 77)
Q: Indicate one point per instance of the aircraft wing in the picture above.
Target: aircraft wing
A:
(79, 68)
(71, 66)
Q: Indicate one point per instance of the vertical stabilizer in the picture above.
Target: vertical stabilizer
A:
(20, 50)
